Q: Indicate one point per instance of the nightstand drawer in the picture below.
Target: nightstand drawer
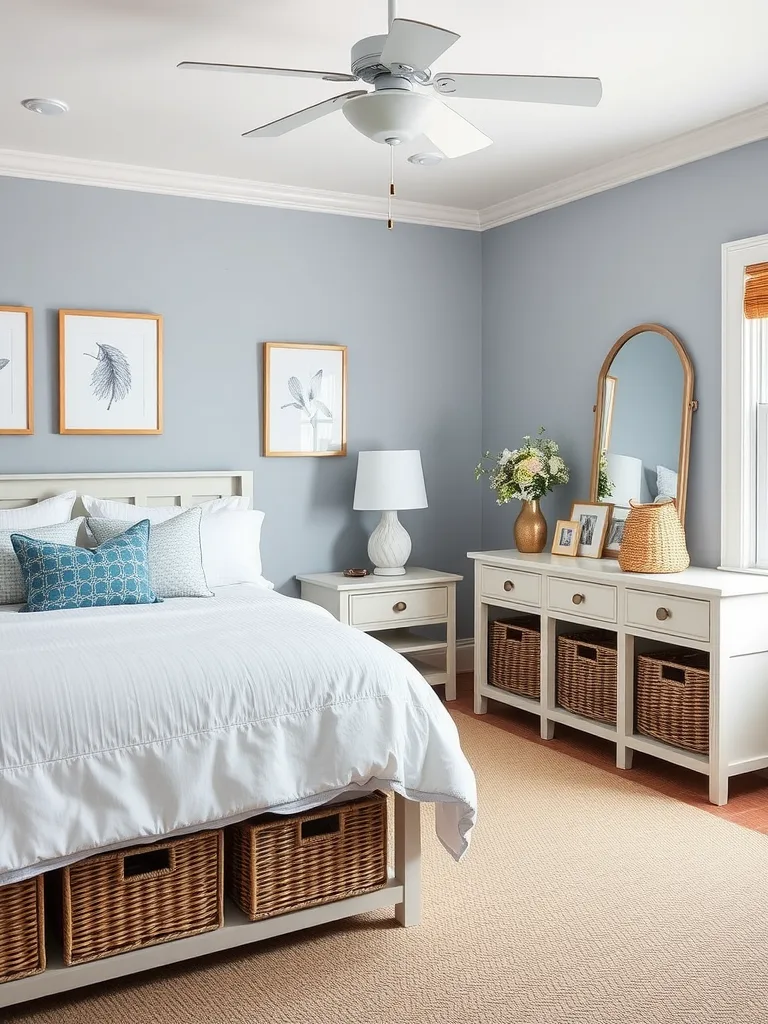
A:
(511, 585)
(590, 600)
(398, 607)
(678, 616)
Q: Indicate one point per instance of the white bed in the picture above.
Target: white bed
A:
(127, 724)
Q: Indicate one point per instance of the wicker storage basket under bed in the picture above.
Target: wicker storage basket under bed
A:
(586, 674)
(277, 864)
(115, 902)
(514, 655)
(672, 698)
(22, 932)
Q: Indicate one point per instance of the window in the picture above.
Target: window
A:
(744, 538)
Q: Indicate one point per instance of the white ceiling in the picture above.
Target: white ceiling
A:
(667, 66)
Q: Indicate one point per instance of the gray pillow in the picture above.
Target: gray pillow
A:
(175, 553)
(12, 588)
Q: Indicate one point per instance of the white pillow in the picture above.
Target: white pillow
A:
(45, 513)
(103, 508)
(231, 553)
(12, 589)
(666, 482)
(175, 554)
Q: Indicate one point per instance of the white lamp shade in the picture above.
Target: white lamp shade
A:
(389, 481)
(626, 474)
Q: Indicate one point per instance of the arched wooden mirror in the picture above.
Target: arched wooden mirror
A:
(643, 418)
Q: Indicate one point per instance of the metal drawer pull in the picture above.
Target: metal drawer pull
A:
(509, 585)
(578, 598)
(399, 607)
(663, 613)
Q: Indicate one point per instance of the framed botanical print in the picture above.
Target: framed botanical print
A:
(593, 519)
(110, 372)
(305, 399)
(16, 370)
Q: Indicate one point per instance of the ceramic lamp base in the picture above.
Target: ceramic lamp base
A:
(389, 546)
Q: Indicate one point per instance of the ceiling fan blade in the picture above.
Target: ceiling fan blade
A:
(247, 69)
(415, 44)
(453, 134)
(577, 92)
(301, 117)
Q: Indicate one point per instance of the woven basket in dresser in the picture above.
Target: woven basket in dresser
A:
(276, 864)
(586, 674)
(672, 698)
(514, 655)
(115, 902)
(22, 932)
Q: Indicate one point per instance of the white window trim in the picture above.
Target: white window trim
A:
(741, 374)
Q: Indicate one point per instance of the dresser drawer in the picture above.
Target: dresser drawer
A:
(590, 600)
(676, 616)
(398, 607)
(511, 585)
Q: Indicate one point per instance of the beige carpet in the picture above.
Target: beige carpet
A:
(585, 898)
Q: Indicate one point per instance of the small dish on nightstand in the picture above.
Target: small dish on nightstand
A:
(355, 573)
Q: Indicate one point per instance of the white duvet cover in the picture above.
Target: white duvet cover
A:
(119, 725)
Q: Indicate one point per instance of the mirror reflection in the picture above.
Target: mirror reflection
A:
(644, 394)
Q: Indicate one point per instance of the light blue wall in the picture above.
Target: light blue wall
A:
(560, 287)
(227, 277)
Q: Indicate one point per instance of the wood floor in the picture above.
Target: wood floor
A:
(748, 799)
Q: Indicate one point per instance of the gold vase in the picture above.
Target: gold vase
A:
(530, 529)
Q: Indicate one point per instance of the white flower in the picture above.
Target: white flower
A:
(506, 455)
(556, 465)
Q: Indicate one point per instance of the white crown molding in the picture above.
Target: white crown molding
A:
(731, 132)
(74, 171)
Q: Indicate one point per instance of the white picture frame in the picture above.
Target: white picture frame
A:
(593, 518)
(16, 370)
(305, 399)
(110, 372)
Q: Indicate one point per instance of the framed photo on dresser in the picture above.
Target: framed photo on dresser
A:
(110, 372)
(16, 370)
(593, 517)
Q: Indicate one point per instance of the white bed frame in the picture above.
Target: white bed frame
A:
(403, 890)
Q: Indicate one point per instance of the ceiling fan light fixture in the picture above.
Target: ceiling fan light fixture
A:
(390, 115)
(49, 108)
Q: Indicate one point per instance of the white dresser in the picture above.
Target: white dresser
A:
(722, 613)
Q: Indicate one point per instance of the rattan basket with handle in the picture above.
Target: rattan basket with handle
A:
(279, 863)
(672, 698)
(654, 539)
(586, 674)
(22, 932)
(115, 902)
(514, 661)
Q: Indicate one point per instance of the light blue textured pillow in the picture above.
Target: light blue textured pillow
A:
(59, 576)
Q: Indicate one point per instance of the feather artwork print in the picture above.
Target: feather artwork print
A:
(4, 363)
(111, 379)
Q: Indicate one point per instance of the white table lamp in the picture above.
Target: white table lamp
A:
(388, 482)
(626, 474)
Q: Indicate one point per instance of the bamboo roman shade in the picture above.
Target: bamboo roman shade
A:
(756, 291)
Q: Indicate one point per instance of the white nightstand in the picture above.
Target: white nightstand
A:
(393, 608)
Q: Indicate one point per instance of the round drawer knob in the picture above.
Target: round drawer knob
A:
(578, 598)
(509, 585)
(399, 607)
(662, 614)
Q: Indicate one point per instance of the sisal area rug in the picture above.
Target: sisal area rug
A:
(585, 898)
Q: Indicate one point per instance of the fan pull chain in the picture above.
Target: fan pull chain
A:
(390, 197)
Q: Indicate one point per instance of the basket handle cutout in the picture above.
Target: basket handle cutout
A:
(587, 653)
(151, 862)
(514, 634)
(319, 828)
(672, 674)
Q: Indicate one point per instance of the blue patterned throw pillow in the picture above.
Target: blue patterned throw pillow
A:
(58, 576)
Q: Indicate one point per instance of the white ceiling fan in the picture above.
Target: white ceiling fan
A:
(398, 65)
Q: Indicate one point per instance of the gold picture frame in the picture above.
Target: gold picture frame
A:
(593, 517)
(88, 394)
(9, 343)
(566, 538)
(305, 400)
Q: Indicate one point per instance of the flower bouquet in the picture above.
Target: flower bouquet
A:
(526, 474)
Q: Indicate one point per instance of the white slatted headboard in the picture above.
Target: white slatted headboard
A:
(134, 488)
